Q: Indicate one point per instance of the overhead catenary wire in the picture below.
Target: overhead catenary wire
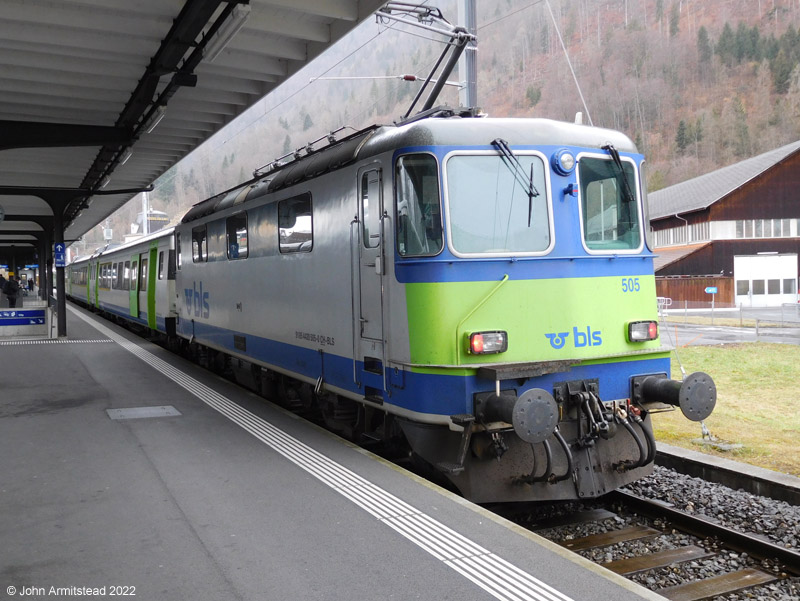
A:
(569, 62)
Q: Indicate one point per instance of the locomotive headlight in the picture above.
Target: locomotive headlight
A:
(487, 343)
(642, 331)
(563, 161)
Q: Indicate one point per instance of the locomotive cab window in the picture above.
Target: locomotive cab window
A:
(609, 206)
(419, 214)
(496, 205)
(236, 229)
(199, 245)
(295, 225)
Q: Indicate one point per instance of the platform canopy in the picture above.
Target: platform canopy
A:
(98, 98)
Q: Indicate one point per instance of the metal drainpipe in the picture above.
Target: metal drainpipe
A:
(687, 226)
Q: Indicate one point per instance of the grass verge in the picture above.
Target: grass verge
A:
(757, 404)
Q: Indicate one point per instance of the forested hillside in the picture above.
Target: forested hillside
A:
(698, 84)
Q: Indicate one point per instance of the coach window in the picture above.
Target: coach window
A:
(143, 275)
(419, 214)
(118, 272)
(126, 277)
(199, 244)
(177, 250)
(236, 229)
(609, 208)
(295, 225)
(161, 265)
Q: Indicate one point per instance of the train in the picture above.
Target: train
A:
(478, 291)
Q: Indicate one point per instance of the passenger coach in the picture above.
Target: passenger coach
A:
(134, 282)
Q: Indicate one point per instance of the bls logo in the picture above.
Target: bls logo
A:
(197, 301)
(579, 337)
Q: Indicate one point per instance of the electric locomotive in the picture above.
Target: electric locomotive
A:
(483, 286)
(480, 290)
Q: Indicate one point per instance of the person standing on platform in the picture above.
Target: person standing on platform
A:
(11, 290)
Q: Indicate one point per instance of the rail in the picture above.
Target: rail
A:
(705, 528)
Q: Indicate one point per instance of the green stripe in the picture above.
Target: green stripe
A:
(442, 315)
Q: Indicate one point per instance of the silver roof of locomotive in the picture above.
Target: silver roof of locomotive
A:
(457, 131)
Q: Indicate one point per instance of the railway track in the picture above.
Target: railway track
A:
(633, 527)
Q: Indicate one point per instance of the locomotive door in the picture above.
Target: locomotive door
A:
(371, 265)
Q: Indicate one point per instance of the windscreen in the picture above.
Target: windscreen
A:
(491, 208)
(610, 213)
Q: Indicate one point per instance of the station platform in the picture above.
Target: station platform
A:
(126, 469)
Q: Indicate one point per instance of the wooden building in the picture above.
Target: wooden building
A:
(745, 209)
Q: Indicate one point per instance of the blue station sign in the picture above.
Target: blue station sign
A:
(711, 290)
(22, 317)
(60, 254)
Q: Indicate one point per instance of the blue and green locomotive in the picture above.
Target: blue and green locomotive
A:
(481, 289)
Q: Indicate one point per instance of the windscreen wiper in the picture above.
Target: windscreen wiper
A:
(626, 188)
(525, 180)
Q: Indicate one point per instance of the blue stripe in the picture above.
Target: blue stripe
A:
(423, 393)
(444, 269)
(124, 312)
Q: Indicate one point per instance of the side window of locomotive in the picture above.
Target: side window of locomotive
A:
(295, 225)
(418, 207)
(236, 235)
(199, 244)
(371, 208)
(610, 210)
(177, 251)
